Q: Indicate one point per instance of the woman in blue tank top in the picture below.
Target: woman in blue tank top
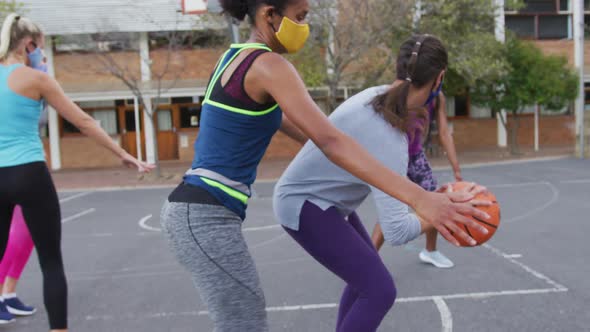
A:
(253, 92)
(25, 178)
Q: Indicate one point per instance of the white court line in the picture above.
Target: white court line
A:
(513, 256)
(70, 198)
(267, 242)
(142, 224)
(554, 198)
(78, 215)
(305, 307)
(514, 185)
(262, 228)
(445, 314)
(579, 181)
(528, 269)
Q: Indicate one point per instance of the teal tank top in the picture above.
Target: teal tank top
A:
(19, 125)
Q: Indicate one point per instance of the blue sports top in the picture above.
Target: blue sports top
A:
(231, 140)
(19, 125)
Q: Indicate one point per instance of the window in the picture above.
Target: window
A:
(188, 39)
(564, 5)
(539, 6)
(553, 27)
(586, 4)
(183, 100)
(461, 106)
(107, 120)
(190, 116)
(542, 19)
(102, 111)
(130, 122)
(523, 26)
(69, 128)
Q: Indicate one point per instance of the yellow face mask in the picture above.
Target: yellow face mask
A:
(292, 35)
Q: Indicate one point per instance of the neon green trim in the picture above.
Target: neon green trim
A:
(239, 110)
(220, 71)
(228, 190)
(210, 87)
(251, 45)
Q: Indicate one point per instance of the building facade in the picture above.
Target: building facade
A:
(135, 35)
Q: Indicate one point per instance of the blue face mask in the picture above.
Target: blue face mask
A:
(434, 94)
(36, 59)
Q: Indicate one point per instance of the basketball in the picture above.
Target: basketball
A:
(491, 225)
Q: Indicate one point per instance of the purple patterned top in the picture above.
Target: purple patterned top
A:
(415, 142)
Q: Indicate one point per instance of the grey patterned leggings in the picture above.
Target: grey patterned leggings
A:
(207, 240)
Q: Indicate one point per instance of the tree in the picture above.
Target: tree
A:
(10, 6)
(532, 79)
(164, 77)
(351, 42)
(466, 27)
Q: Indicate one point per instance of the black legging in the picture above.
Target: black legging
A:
(31, 187)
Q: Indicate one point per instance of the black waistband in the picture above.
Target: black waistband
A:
(187, 193)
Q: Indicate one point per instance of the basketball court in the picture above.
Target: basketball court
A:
(532, 276)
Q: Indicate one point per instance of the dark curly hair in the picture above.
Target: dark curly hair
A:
(238, 9)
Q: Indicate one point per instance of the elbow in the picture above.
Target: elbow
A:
(397, 238)
(401, 233)
(396, 241)
(332, 145)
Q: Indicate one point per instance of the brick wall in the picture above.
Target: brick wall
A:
(83, 152)
(281, 146)
(80, 68)
(184, 64)
(564, 48)
(553, 130)
(470, 134)
(186, 153)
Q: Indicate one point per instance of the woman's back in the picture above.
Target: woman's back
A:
(19, 117)
(311, 176)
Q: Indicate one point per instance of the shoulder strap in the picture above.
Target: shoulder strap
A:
(5, 73)
(226, 59)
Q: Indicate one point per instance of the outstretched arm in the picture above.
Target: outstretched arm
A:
(283, 83)
(55, 96)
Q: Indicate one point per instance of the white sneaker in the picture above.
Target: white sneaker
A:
(436, 258)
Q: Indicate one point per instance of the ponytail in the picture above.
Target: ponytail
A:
(393, 106)
(15, 29)
(5, 34)
(420, 60)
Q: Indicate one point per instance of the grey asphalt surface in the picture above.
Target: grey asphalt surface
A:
(533, 276)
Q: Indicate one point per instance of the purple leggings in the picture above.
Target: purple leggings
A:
(344, 247)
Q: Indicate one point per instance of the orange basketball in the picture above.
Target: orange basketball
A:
(491, 225)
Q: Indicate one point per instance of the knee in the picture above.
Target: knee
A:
(386, 294)
(389, 295)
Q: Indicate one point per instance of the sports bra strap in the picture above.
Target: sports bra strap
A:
(227, 58)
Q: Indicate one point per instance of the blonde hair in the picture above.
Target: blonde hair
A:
(15, 29)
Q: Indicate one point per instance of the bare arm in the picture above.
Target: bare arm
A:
(55, 96)
(446, 138)
(291, 130)
(282, 82)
